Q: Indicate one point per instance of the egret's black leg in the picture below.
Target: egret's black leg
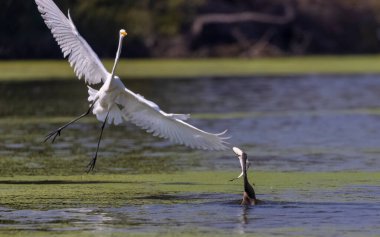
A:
(57, 132)
(92, 163)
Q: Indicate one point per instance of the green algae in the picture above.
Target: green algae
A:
(105, 190)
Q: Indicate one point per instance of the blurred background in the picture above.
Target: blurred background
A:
(199, 28)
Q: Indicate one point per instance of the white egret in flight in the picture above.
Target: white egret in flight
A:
(113, 102)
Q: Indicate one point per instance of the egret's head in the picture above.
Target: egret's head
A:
(123, 33)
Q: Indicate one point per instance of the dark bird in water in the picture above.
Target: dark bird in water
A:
(249, 195)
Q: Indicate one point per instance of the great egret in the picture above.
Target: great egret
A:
(113, 102)
(249, 196)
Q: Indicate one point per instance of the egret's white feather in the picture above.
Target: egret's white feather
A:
(148, 116)
(80, 55)
(113, 111)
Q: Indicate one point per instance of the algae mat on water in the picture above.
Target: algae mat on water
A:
(46, 192)
(190, 204)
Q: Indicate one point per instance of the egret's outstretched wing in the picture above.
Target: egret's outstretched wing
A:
(147, 115)
(80, 55)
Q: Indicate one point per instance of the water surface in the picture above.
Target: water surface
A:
(286, 124)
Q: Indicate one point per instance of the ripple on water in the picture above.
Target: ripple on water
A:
(215, 212)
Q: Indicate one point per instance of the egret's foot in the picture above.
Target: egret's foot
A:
(55, 133)
(91, 165)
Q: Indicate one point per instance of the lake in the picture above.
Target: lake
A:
(313, 143)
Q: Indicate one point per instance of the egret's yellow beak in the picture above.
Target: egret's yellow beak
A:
(123, 33)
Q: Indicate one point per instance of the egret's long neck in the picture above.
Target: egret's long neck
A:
(117, 55)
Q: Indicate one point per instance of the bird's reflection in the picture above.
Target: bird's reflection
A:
(245, 214)
(243, 219)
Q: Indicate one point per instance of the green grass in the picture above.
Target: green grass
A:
(189, 68)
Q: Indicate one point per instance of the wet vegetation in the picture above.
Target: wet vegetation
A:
(117, 190)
